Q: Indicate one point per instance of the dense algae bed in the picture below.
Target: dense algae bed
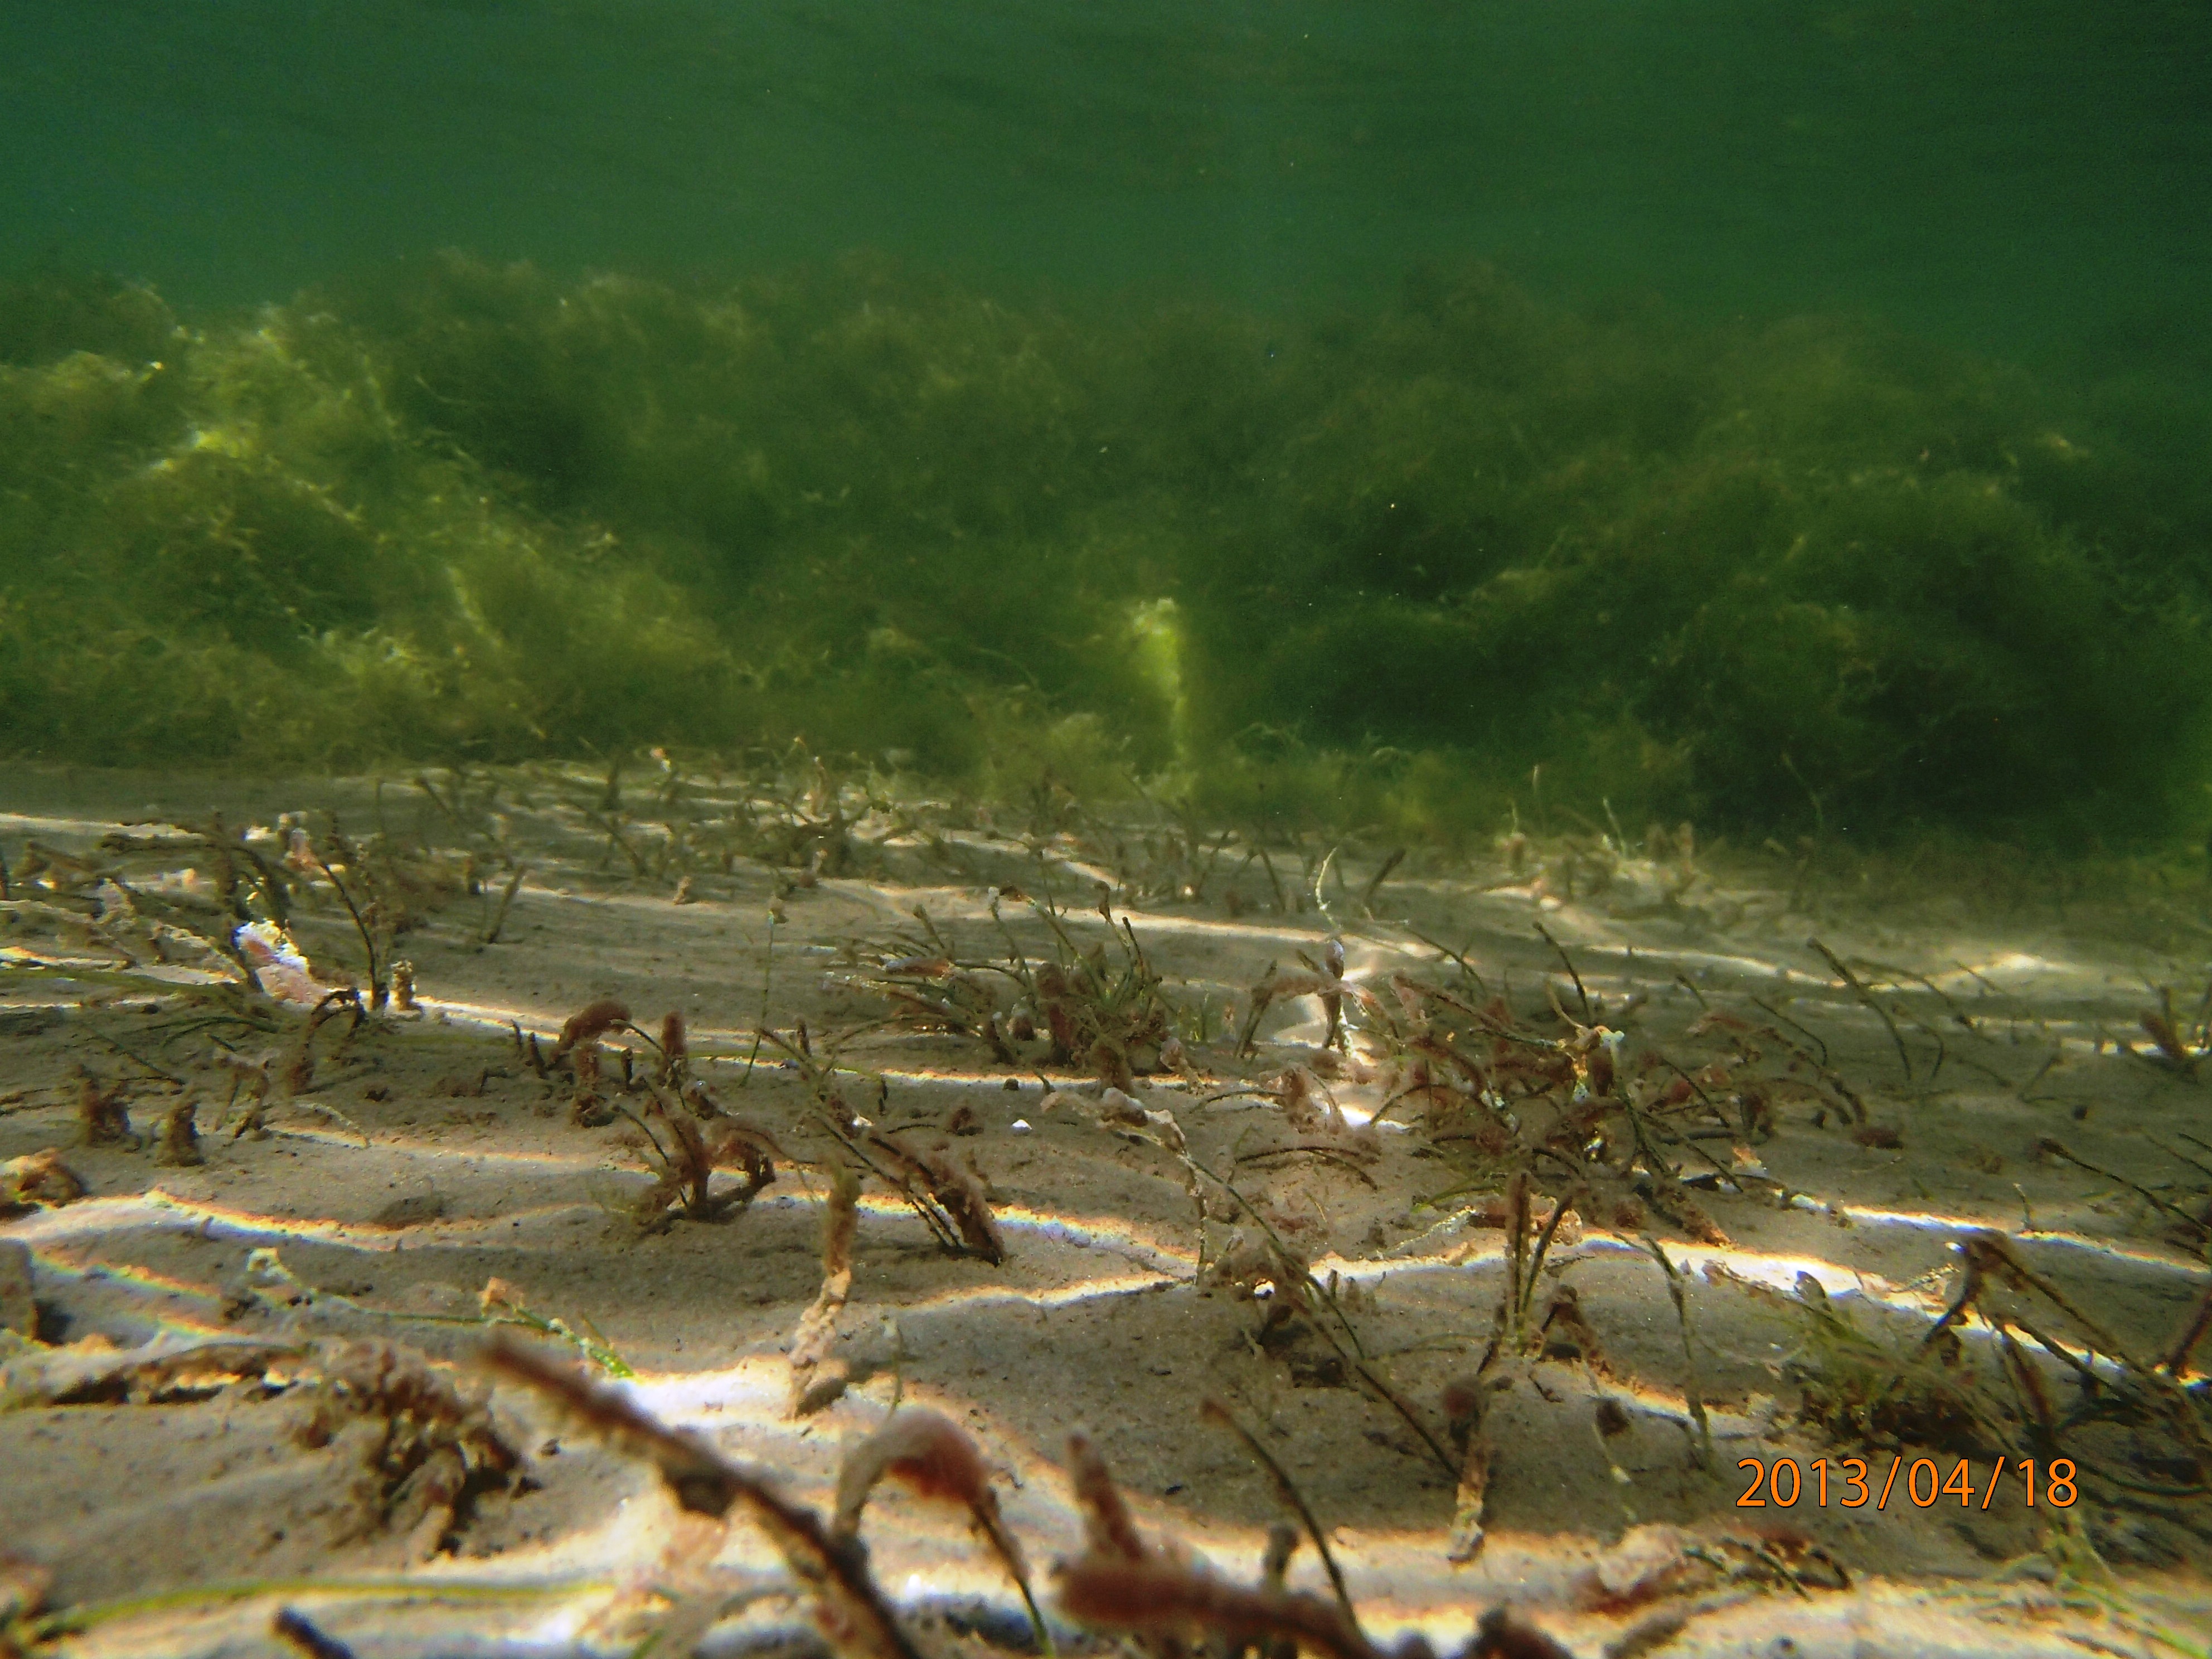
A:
(1807, 576)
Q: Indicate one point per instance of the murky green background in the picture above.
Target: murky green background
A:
(1783, 414)
(2028, 177)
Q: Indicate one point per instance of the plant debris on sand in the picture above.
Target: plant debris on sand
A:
(1479, 1271)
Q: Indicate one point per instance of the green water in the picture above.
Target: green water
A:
(1792, 417)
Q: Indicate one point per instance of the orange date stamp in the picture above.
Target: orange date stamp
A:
(1783, 1482)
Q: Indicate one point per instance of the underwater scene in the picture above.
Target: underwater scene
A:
(1206, 830)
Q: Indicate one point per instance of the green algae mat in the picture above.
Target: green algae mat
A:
(1413, 566)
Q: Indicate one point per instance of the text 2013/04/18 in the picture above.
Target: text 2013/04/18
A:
(1782, 1482)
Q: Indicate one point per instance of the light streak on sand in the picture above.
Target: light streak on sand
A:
(1776, 1270)
(1779, 1272)
(37, 825)
(1161, 1259)
(1111, 1235)
(102, 1218)
(92, 1220)
(198, 1320)
(491, 1016)
(1100, 1232)
(130, 1275)
(406, 1146)
(1962, 1227)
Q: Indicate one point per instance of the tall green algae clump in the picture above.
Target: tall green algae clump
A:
(1807, 574)
(225, 546)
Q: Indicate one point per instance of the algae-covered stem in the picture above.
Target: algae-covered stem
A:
(301, 1633)
(1301, 1281)
(767, 982)
(850, 1609)
(1287, 1489)
(1567, 962)
(376, 988)
(1692, 1394)
(1860, 991)
(506, 903)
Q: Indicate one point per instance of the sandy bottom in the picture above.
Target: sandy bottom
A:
(175, 1468)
